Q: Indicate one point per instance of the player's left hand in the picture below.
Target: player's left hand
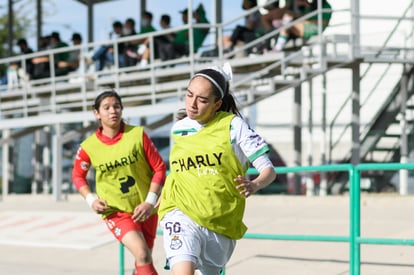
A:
(246, 187)
(142, 212)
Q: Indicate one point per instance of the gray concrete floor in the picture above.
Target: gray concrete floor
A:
(40, 236)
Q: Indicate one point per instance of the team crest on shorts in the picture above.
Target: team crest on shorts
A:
(117, 231)
(176, 243)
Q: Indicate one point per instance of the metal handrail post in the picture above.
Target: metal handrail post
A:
(355, 226)
(121, 259)
(355, 37)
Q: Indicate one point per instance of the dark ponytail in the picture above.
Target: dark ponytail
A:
(229, 105)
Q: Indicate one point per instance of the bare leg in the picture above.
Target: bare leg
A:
(183, 268)
(134, 241)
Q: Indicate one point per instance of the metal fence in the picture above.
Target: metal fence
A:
(354, 238)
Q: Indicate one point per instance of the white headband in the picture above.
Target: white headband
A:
(226, 71)
(212, 81)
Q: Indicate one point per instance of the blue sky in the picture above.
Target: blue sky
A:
(70, 15)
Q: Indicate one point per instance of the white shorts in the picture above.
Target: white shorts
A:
(186, 241)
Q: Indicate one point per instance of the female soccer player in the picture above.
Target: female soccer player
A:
(129, 177)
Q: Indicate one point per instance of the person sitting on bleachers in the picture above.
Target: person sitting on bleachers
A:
(136, 48)
(105, 53)
(15, 69)
(304, 29)
(180, 46)
(130, 46)
(25, 49)
(256, 24)
(44, 43)
(72, 63)
(251, 30)
(41, 66)
(273, 17)
(158, 42)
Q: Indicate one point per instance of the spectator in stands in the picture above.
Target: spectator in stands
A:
(42, 66)
(135, 53)
(105, 53)
(273, 18)
(44, 43)
(129, 176)
(15, 69)
(72, 64)
(57, 43)
(159, 41)
(165, 23)
(146, 23)
(25, 49)
(304, 29)
(251, 30)
(130, 46)
(297, 8)
(181, 44)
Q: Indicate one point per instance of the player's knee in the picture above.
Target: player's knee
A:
(143, 257)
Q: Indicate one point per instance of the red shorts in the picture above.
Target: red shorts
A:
(120, 223)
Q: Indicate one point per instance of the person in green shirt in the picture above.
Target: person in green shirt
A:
(56, 43)
(307, 28)
(144, 50)
(181, 44)
(136, 48)
(146, 23)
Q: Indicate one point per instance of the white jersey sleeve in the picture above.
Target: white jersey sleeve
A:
(248, 145)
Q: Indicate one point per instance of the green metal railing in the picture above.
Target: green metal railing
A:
(354, 238)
